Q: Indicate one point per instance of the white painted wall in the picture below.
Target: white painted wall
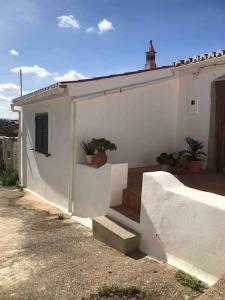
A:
(99, 188)
(82, 88)
(189, 224)
(142, 122)
(182, 226)
(48, 176)
(196, 88)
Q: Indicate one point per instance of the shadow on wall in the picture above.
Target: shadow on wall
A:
(47, 176)
(150, 241)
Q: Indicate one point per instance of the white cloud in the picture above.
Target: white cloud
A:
(5, 111)
(90, 30)
(104, 26)
(4, 98)
(71, 75)
(8, 91)
(39, 71)
(14, 52)
(68, 22)
(9, 87)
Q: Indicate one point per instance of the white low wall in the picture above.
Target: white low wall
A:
(184, 225)
(97, 189)
(181, 226)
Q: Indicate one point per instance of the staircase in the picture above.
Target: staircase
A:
(131, 202)
(109, 229)
(131, 205)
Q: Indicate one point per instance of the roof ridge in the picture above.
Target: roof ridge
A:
(199, 57)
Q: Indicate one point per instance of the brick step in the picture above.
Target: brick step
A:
(127, 212)
(115, 235)
(131, 200)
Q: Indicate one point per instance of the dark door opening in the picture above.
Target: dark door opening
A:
(220, 125)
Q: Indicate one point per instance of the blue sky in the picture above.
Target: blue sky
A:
(71, 39)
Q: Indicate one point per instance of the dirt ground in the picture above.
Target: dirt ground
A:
(45, 258)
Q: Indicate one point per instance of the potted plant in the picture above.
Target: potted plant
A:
(89, 151)
(101, 145)
(194, 154)
(165, 161)
(180, 163)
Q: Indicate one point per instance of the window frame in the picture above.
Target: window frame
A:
(42, 148)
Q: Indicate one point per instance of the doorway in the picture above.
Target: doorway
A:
(220, 125)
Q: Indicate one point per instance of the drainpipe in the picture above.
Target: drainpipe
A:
(20, 144)
(72, 157)
(73, 104)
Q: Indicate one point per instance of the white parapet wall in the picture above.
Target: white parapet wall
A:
(183, 226)
(97, 189)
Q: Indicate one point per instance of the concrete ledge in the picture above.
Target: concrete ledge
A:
(115, 236)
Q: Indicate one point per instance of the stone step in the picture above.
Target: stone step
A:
(115, 235)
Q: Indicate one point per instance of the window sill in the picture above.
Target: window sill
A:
(44, 153)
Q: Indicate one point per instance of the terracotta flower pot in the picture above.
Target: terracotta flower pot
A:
(100, 159)
(89, 159)
(195, 166)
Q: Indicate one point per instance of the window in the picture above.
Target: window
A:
(41, 133)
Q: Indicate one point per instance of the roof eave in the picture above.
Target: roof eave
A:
(40, 95)
(202, 63)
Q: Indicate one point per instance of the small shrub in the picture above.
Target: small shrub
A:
(61, 216)
(190, 281)
(9, 177)
(119, 292)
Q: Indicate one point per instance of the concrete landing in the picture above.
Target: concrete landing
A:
(114, 235)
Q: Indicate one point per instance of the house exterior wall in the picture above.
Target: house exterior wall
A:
(48, 176)
(198, 87)
(92, 86)
(141, 122)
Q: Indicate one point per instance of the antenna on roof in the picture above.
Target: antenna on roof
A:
(21, 83)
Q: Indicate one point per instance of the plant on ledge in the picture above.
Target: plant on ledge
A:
(194, 154)
(102, 145)
(89, 151)
(165, 160)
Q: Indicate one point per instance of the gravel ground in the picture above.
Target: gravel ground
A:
(217, 292)
(44, 258)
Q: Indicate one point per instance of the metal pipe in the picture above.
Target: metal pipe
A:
(72, 157)
(121, 88)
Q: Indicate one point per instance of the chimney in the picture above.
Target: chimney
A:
(150, 57)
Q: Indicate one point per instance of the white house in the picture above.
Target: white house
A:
(144, 113)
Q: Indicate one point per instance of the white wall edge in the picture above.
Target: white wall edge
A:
(189, 268)
(47, 201)
(87, 222)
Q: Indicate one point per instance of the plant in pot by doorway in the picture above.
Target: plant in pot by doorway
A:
(89, 151)
(194, 154)
(165, 161)
(102, 145)
(180, 163)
